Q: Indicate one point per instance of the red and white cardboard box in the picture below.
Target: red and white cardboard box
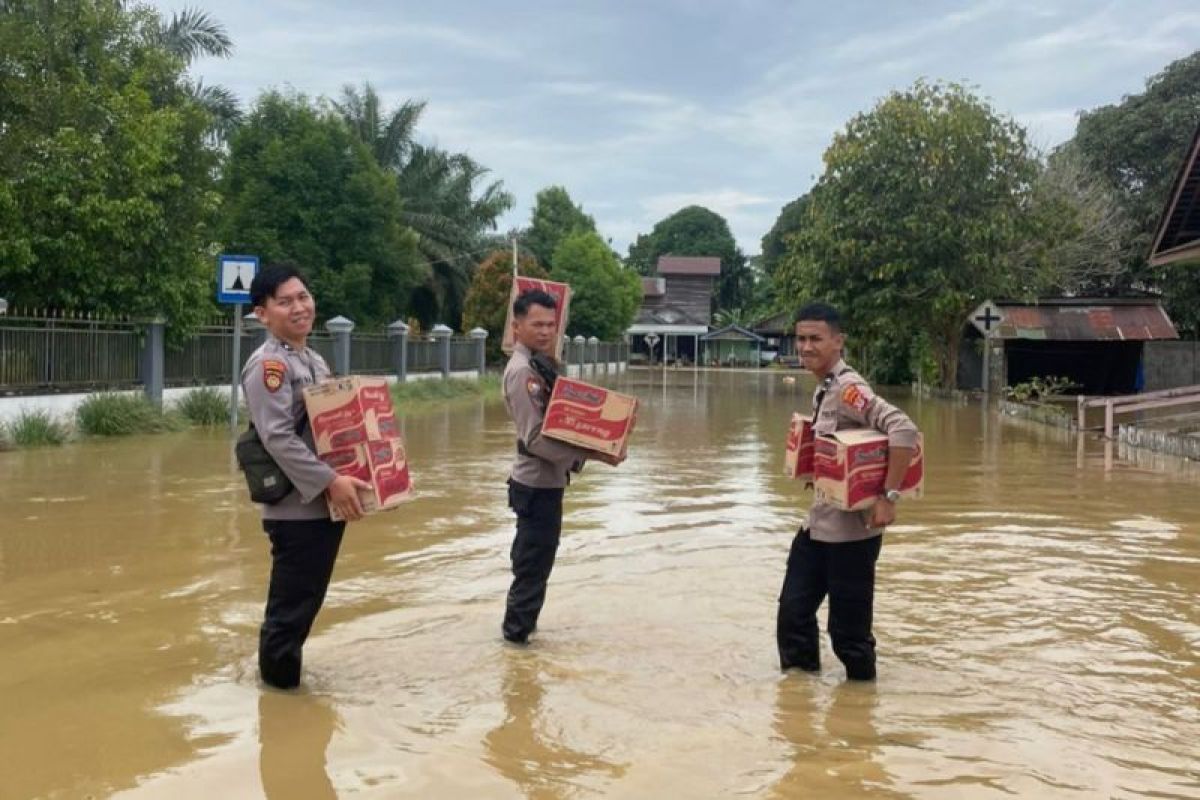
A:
(798, 454)
(590, 416)
(355, 429)
(850, 467)
(561, 292)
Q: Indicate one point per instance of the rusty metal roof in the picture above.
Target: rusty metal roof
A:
(1178, 236)
(689, 265)
(1085, 320)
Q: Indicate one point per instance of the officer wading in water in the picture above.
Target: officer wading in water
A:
(304, 540)
(542, 466)
(834, 552)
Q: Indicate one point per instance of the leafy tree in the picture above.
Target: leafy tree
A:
(443, 199)
(555, 217)
(486, 304)
(1138, 145)
(604, 295)
(107, 197)
(916, 219)
(299, 186)
(696, 231)
(192, 34)
(774, 243)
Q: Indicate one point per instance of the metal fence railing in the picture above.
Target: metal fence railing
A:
(54, 354)
(62, 354)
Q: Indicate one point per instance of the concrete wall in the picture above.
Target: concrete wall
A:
(1168, 365)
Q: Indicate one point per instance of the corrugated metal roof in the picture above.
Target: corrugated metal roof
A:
(1078, 320)
(689, 265)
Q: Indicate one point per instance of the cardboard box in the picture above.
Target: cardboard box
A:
(590, 417)
(798, 454)
(355, 429)
(561, 292)
(850, 467)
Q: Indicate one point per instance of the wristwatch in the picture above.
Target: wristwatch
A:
(892, 495)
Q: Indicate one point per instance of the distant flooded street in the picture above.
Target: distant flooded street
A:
(1038, 625)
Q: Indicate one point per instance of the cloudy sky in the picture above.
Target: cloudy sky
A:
(641, 108)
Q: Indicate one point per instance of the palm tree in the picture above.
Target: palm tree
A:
(440, 201)
(189, 35)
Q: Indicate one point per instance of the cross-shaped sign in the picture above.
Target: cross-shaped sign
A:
(987, 318)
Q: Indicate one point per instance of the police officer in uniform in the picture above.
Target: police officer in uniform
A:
(304, 541)
(834, 553)
(542, 466)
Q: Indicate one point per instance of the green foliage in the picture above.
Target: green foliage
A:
(417, 393)
(917, 218)
(36, 428)
(555, 217)
(775, 243)
(205, 406)
(1138, 146)
(113, 414)
(696, 231)
(107, 198)
(300, 187)
(604, 294)
(486, 303)
(441, 199)
(1037, 389)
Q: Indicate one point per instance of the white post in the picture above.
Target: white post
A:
(236, 383)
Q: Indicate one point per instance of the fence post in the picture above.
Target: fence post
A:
(594, 346)
(480, 336)
(152, 361)
(398, 333)
(441, 335)
(1108, 420)
(340, 327)
(1082, 415)
(257, 328)
(579, 358)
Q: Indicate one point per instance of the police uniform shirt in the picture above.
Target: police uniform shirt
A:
(540, 463)
(274, 379)
(850, 404)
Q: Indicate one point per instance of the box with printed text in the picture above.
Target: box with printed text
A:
(590, 416)
(798, 453)
(355, 430)
(850, 467)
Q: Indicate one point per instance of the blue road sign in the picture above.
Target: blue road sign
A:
(234, 274)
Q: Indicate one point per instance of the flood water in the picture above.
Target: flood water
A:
(1037, 622)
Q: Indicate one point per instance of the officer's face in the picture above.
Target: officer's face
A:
(289, 314)
(818, 345)
(535, 330)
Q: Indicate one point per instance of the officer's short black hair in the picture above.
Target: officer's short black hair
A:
(820, 312)
(270, 278)
(533, 297)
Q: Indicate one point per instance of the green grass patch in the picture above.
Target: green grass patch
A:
(109, 414)
(36, 428)
(433, 391)
(205, 406)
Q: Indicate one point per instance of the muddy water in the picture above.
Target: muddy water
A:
(1038, 624)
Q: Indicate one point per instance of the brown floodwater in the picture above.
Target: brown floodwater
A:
(1037, 621)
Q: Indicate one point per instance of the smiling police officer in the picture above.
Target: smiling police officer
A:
(304, 540)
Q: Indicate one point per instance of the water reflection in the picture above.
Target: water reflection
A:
(294, 731)
(526, 748)
(836, 749)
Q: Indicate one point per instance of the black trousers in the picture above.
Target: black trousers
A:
(302, 556)
(845, 572)
(539, 525)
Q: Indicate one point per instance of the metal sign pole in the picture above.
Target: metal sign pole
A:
(237, 359)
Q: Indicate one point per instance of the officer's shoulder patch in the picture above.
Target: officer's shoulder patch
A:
(856, 396)
(273, 372)
(533, 386)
